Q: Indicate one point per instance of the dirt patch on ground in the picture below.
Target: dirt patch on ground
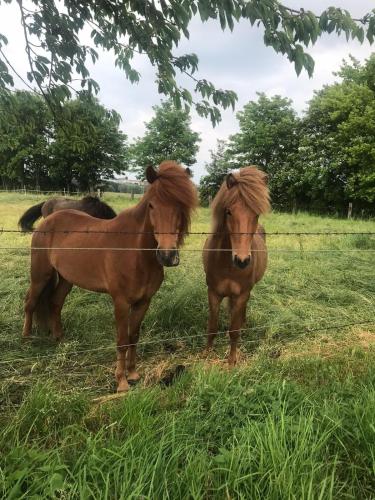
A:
(328, 347)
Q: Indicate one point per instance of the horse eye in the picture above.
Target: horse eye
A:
(150, 205)
(228, 212)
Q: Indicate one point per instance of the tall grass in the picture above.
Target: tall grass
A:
(294, 420)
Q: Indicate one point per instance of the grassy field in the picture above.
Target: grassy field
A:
(295, 419)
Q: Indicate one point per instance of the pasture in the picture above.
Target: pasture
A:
(294, 419)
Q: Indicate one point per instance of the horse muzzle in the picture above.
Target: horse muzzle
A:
(168, 258)
(241, 263)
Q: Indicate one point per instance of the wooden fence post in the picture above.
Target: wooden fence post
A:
(350, 210)
(99, 193)
(209, 200)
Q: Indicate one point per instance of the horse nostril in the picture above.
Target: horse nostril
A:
(168, 257)
(241, 263)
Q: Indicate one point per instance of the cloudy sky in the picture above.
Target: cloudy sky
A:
(238, 61)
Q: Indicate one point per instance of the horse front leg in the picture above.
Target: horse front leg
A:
(122, 309)
(137, 314)
(214, 302)
(238, 318)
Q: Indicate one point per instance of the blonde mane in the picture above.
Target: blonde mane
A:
(250, 187)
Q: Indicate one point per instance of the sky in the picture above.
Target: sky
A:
(236, 60)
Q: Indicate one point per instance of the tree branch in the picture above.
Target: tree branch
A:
(16, 72)
(296, 12)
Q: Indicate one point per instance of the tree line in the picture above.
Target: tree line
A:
(82, 147)
(74, 149)
(320, 161)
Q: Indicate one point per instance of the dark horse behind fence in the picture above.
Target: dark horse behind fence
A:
(89, 204)
(123, 257)
(235, 255)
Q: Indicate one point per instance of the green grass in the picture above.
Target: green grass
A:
(294, 420)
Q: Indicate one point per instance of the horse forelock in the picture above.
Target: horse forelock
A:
(173, 186)
(250, 188)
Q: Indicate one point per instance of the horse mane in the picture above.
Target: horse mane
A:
(97, 207)
(174, 186)
(250, 187)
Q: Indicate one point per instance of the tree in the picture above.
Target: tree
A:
(168, 137)
(268, 138)
(25, 133)
(57, 56)
(217, 169)
(337, 152)
(92, 150)
(41, 150)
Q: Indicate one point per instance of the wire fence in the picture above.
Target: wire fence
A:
(193, 233)
(64, 357)
(136, 249)
(278, 337)
(297, 234)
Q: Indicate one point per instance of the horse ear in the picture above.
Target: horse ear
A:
(230, 180)
(151, 174)
(189, 172)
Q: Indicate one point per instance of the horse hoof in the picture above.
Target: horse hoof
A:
(123, 386)
(133, 378)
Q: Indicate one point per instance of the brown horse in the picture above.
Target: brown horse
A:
(241, 257)
(113, 258)
(89, 204)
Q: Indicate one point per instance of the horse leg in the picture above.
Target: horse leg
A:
(238, 317)
(122, 309)
(214, 302)
(136, 317)
(36, 288)
(57, 302)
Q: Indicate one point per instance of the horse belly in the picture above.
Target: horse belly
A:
(79, 270)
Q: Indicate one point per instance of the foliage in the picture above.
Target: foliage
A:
(321, 161)
(83, 145)
(168, 137)
(217, 169)
(268, 137)
(337, 151)
(92, 149)
(57, 56)
(25, 133)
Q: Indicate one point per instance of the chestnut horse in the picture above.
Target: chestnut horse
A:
(241, 257)
(113, 258)
(89, 204)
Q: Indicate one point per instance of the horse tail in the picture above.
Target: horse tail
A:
(32, 214)
(42, 310)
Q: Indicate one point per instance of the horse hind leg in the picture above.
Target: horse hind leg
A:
(33, 296)
(57, 301)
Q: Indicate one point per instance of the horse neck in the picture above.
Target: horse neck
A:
(137, 219)
(221, 234)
